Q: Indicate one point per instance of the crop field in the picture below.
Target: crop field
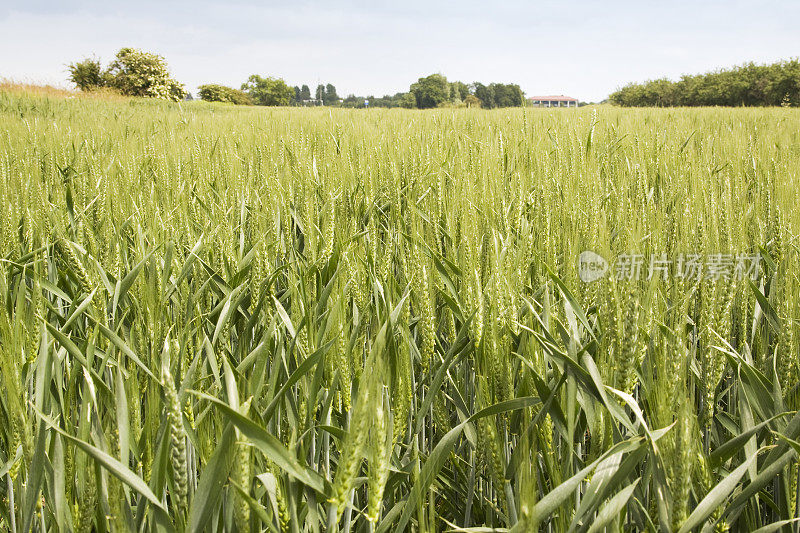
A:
(309, 320)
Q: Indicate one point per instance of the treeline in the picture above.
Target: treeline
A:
(138, 73)
(436, 91)
(776, 84)
(428, 92)
(259, 90)
(324, 95)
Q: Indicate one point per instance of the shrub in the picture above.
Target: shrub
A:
(220, 93)
(138, 73)
(88, 74)
(472, 101)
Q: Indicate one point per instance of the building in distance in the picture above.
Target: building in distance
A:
(552, 101)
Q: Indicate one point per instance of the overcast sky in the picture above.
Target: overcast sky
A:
(584, 49)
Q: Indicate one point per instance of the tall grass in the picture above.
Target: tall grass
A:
(320, 320)
(25, 89)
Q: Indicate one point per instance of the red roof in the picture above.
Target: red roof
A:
(560, 98)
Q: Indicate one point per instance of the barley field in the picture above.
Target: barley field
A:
(317, 320)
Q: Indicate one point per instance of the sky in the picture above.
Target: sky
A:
(584, 49)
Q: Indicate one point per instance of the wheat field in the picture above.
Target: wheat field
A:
(308, 320)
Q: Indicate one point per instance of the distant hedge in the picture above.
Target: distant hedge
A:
(221, 93)
(746, 85)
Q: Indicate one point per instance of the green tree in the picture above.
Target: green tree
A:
(431, 91)
(137, 73)
(268, 91)
(305, 93)
(331, 97)
(407, 100)
(320, 93)
(458, 91)
(783, 87)
(506, 95)
(352, 100)
(87, 74)
(484, 94)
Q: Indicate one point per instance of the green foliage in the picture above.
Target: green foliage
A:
(88, 74)
(324, 95)
(498, 95)
(472, 101)
(352, 101)
(747, 85)
(506, 95)
(137, 73)
(305, 93)
(458, 91)
(428, 92)
(406, 100)
(431, 91)
(269, 91)
(330, 97)
(215, 318)
(132, 73)
(221, 93)
(484, 94)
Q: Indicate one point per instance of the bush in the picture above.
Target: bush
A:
(220, 93)
(472, 101)
(268, 91)
(132, 73)
(431, 91)
(88, 74)
(138, 73)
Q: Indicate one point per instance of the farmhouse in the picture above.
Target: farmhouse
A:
(553, 101)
